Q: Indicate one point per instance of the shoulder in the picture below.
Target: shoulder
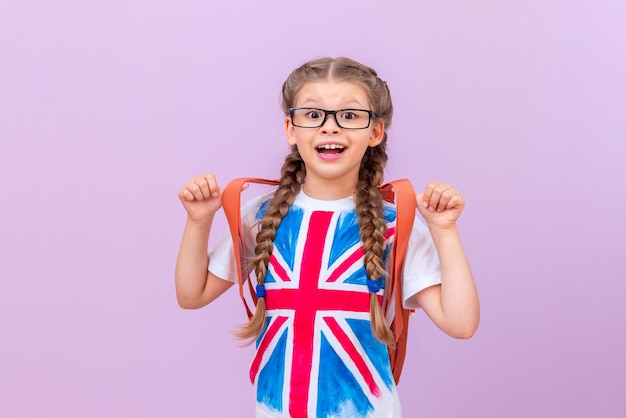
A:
(256, 207)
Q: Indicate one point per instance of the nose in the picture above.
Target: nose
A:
(332, 126)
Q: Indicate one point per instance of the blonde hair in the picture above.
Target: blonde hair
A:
(369, 202)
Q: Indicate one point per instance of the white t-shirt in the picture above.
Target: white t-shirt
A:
(317, 356)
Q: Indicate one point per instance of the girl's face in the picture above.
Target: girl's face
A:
(332, 154)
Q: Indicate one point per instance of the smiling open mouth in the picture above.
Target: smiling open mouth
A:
(330, 149)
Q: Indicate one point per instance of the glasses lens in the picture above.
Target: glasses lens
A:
(307, 118)
(314, 118)
(353, 118)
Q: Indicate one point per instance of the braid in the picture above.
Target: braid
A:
(370, 212)
(292, 177)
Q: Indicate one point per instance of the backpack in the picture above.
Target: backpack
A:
(400, 191)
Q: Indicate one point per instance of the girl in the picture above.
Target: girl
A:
(320, 245)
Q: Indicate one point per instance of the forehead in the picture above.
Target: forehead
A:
(332, 94)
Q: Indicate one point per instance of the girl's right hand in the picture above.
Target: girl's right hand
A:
(201, 197)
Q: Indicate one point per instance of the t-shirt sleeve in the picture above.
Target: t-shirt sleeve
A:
(421, 264)
(222, 256)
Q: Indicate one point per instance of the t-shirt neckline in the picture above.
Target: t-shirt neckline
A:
(307, 202)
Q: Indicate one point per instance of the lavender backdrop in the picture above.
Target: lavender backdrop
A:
(108, 107)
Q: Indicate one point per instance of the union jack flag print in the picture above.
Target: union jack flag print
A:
(317, 356)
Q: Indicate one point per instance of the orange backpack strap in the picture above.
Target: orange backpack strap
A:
(231, 202)
(404, 196)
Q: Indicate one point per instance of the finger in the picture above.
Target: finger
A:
(419, 199)
(452, 202)
(199, 187)
(185, 194)
(212, 188)
(456, 201)
(428, 193)
(208, 186)
(435, 198)
(422, 205)
(444, 201)
(196, 190)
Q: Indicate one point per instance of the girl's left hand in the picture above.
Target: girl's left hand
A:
(440, 205)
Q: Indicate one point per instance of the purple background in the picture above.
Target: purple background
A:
(108, 107)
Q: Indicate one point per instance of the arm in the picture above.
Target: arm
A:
(453, 306)
(195, 285)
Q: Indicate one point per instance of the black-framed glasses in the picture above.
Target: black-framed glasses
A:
(312, 117)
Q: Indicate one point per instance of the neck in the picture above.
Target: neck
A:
(329, 190)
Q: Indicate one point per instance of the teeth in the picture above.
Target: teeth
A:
(331, 146)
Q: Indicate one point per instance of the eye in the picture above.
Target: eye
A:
(314, 114)
(349, 115)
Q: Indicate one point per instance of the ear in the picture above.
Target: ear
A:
(378, 132)
(290, 131)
